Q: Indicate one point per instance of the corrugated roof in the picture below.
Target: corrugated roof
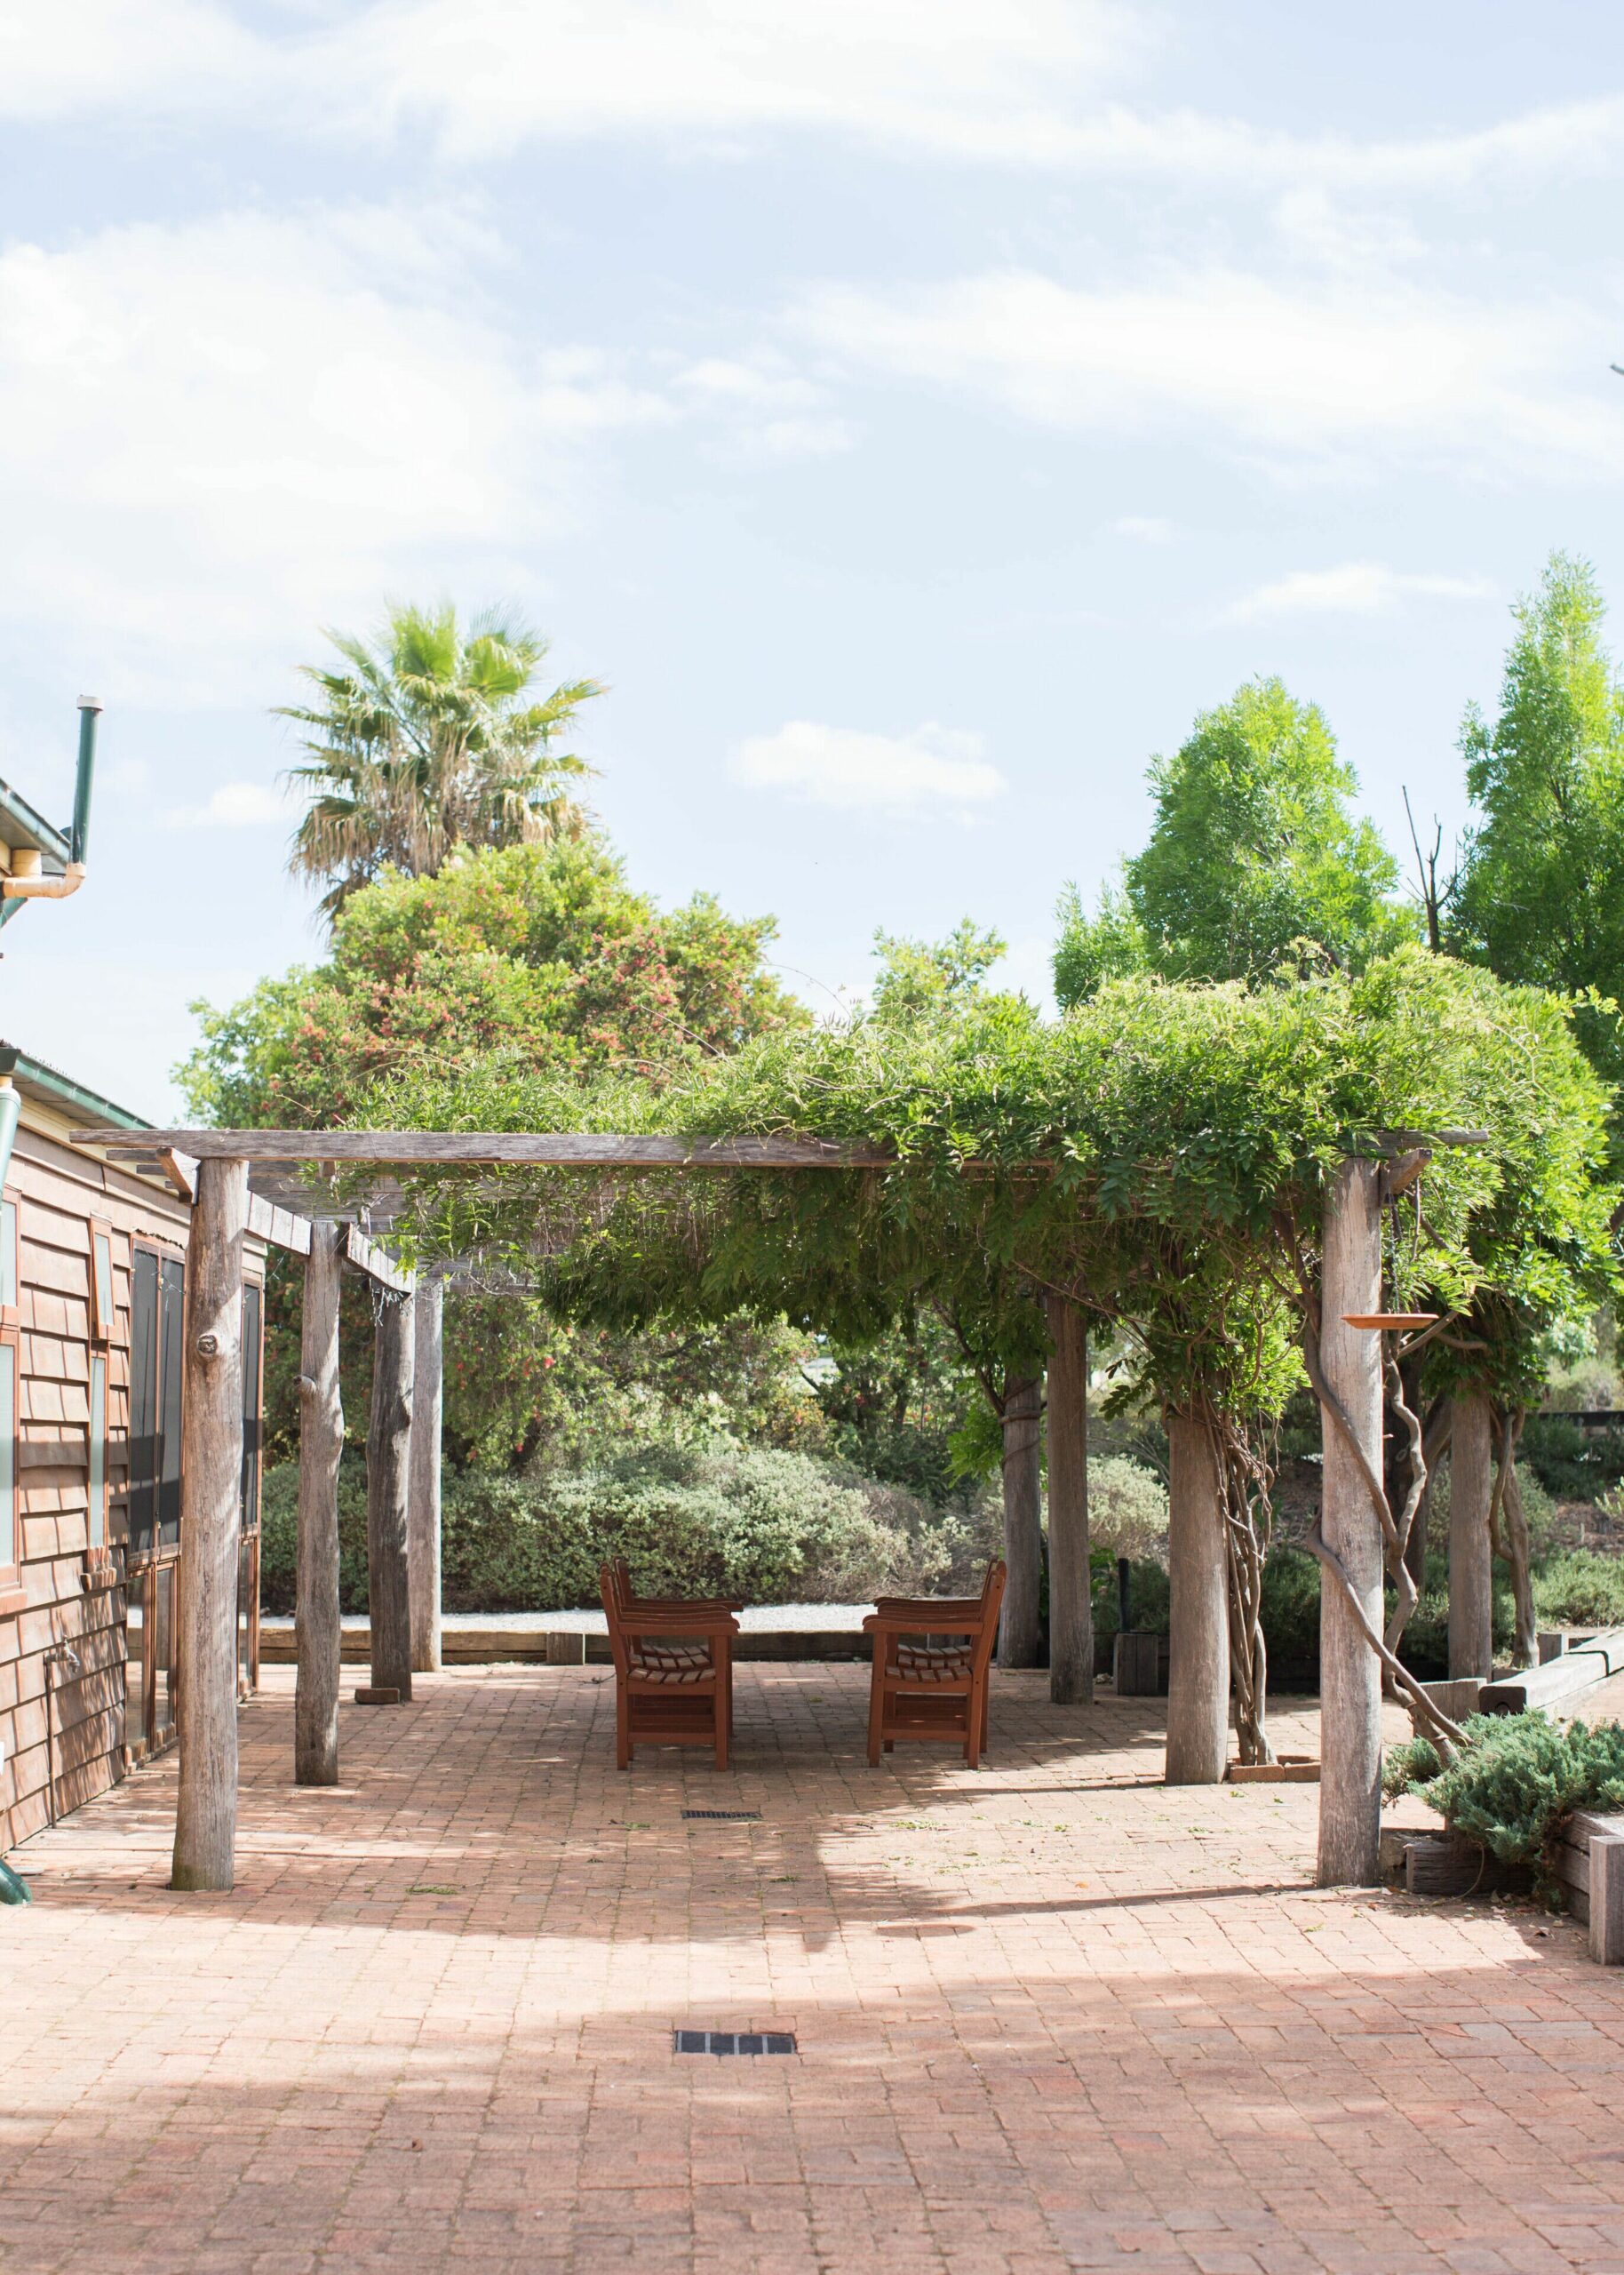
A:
(51, 1087)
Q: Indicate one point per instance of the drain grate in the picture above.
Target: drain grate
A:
(727, 1816)
(733, 2041)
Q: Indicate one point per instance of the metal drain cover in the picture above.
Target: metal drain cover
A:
(733, 2041)
(727, 1816)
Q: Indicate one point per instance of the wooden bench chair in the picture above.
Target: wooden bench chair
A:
(924, 1687)
(674, 1668)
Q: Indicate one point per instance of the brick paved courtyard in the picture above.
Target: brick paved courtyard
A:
(1051, 2017)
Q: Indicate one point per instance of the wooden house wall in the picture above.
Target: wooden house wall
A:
(58, 1192)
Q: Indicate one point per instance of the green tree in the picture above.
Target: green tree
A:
(1254, 858)
(539, 956)
(1542, 893)
(543, 953)
(1108, 945)
(431, 737)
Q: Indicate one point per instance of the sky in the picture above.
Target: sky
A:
(916, 412)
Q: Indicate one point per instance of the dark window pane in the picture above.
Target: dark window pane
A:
(143, 1495)
(171, 1320)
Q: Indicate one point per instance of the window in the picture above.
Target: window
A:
(101, 1282)
(157, 1306)
(96, 1521)
(10, 1543)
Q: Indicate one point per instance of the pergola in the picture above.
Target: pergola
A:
(299, 1188)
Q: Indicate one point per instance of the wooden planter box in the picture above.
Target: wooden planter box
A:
(1590, 1863)
(1290, 1770)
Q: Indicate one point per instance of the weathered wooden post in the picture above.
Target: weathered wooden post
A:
(318, 1625)
(211, 1509)
(428, 1409)
(389, 1478)
(1471, 1577)
(1349, 1671)
(1198, 1583)
(1020, 1636)
(1070, 1605)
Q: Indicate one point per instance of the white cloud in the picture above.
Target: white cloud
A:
(766, 408)
(214, 437)
(1343, 374)
(1144, 529)
(843, 767)
(1007, 82)
(127, 55)
(1353, 588)
(234, 805)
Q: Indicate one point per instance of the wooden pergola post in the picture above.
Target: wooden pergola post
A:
(1471, 1569)
(318, 1626)
(1349, 1671)
(388, 1480)
(1071, 1602)
(1020, 1635)
(427, 1412)
(210, 1513)
(1199, 1585)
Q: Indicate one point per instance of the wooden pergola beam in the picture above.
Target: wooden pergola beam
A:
(516, 1149)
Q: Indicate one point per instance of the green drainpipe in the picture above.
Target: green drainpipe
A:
(90, 712)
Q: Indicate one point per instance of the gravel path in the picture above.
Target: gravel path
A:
(757, 1619)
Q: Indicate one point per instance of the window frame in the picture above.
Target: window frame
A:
(13, 1594)
(97, 1549)
(101, 1318)
(11, 1266)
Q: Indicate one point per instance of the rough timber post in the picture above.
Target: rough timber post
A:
(210, 1509)
(1020, 1640)
(1471, 1578)
(388, 1467)
(427, 1406)
(1071, 1609)
(1349, 1671)
(1198, 1580)
(318, 1626)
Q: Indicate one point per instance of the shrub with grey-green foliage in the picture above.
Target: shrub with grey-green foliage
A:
(1127, 1509)
(1580, 1589)
(768, 1526)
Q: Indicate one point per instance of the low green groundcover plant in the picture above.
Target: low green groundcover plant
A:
(1578, 1588)
(1515, 1782)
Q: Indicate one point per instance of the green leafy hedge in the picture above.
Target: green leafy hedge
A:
(769, 1526)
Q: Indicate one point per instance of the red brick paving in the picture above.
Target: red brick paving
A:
(1053, 2016)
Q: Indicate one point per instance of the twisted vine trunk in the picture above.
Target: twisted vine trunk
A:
(1020, 1640)
(1198, 1569)
(388, 1461)
(1246, 1533)
(1519, 1555)
(1351, 1363)
(427, 1413)
(319, 1626)
(1471, 1490)
(1070, 1606)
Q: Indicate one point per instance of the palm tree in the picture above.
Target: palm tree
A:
(426, 742)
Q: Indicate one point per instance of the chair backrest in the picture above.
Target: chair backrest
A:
(991, 1604)
(612, 1585)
